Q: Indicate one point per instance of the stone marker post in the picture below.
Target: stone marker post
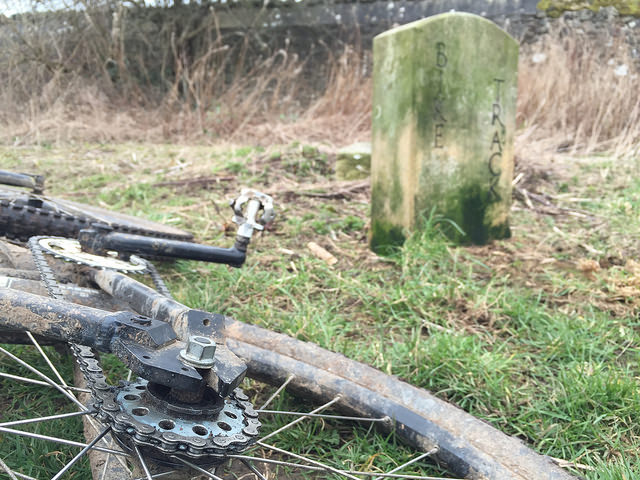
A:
(444, 106)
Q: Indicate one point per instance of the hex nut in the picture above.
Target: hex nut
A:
(200, 352)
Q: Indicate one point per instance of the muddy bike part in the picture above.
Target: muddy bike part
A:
(188, 383)
(101, 246)
(182, 408)
(71, 250)
(27, 180)
(470, 447)
(23, 215)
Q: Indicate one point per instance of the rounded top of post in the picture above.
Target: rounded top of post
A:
(454, 17)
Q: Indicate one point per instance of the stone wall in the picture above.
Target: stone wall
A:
(606, 23)
(307, 21)
(314, 31)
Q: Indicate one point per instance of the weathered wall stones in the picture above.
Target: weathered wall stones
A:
(443, 127)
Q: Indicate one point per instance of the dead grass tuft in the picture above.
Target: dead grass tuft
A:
(268, 105)
(573, 95)
(577, 95)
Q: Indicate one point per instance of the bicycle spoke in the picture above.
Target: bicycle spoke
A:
(400, 475)
(64, 384)
(277, 392)
(278, 462)
(7, 470)
(105, 467)
(197, 468)
(46, 358)
(158, 475)
(81, 454)
(321, 467)
(45, 378)
(308, 460)
(62, 441)
(111, 443)
(25, 477)
(40, 382)
(250, 466)
(322, 415)
(46, 419)
(142, 463)
(298, 420)
(410, 462)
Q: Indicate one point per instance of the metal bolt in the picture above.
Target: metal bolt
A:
(200, 352)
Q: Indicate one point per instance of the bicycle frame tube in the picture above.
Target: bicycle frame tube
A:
(149, 346)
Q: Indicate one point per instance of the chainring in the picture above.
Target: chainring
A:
(159, 424)
(71, 251)
(204, 431)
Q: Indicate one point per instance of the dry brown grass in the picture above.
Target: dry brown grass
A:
(267, 104)
(570, 101)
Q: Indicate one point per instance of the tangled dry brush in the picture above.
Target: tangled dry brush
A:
(120, 74)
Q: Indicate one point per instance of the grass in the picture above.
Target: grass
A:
(538, 335)
(213, 90)
(36, 458)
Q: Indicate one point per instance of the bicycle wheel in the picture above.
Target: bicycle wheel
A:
(24, 215)
(467, 446)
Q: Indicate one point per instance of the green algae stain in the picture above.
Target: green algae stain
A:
(474, 205)
(474, 209)
(429, 79)
(464, 222)
(386, 238)
(464, 216)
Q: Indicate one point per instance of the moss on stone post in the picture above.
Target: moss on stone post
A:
(354, 162)
(443, 127)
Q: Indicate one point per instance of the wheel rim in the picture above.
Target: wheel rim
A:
(261, 461)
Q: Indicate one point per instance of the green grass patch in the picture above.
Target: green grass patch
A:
(538, 335)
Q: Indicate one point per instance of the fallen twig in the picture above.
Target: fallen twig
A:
(188, 182)
(567, 464)
(335, 189)
(322, 253)
(548, 207)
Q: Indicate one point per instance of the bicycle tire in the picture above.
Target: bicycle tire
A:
(469, 447)
(25, 215)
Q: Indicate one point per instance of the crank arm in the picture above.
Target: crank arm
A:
(99, 239)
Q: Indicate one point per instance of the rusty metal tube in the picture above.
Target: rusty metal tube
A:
(146, 301)
(56, 319)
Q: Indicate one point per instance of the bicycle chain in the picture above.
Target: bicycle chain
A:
(108, 410)
(157, 280)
